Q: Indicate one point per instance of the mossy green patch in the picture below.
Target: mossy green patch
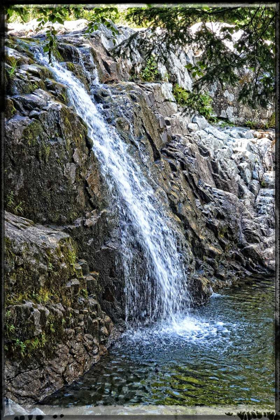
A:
(57, 89)
(10, 110)
(42, 345)
(44, 152)
(22, 45)
(57, 55)
(73, 129)
(32, 132)
(196, 101)
(70, 66)
(271, 122)
(78, 72)
(10, 60)
(43, 71)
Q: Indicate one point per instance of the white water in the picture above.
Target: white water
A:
(161, 292)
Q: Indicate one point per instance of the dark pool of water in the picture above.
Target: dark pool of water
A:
(222, 354)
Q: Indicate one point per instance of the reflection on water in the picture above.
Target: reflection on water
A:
(222, 354)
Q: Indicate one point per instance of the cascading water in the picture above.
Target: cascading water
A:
(162, 292)
(197, 360)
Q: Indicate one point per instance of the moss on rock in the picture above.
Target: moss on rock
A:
(9, 108)
(43, 296)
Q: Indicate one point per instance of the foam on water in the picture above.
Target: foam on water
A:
(184, 329)
(216, 295)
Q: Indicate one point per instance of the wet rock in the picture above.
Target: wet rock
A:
(84, 265)
(74, 286)
(46, 145)
(268, 180)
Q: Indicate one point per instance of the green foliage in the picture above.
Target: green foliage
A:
(103, 16)
(36, 343)
(52, 329)
(271, 122)
(150, 72)
(19, 208)
(181, 95)
(165, 77)
(196, 101)
(18, 14)
(10, 328)
(48, 16)
(226, 124)
(84, 293)
(42, 296)
(251, 124)
(10, 200)
(21, 346)
(8, 314)
(13, 66)
(255, 125)
(72, 257)
(26, 348)
(70, 66)
(51, 43)
(216, 61)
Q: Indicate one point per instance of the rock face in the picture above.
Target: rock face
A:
(56, 277)
(218, 181)
(63, 278)
(226, 105)
(131, 57)
(55, 327)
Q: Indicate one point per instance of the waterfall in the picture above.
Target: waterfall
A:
(161, 292)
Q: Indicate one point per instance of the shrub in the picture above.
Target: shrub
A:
(12, 62)
(227, 124)
(150, 73)
(196, 101)
(251, 124)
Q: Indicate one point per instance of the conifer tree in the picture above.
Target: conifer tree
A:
(246, 40)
